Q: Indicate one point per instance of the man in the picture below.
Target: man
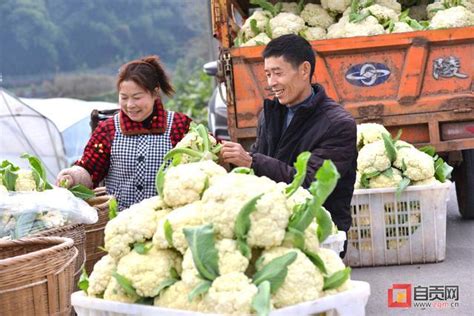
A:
(300, 118)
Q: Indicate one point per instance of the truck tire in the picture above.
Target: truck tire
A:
(464, 179)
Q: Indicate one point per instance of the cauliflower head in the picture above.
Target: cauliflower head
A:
(230, 260)
(176, 296)
(260, 39)
(367, 27)
(185, 183)
(230, 294)
(291, 7)
(453, 17)
(302, 274)
(115, 292)
(333, 263)
(25, 181)
(384, 181)
(135, 224)
(315, 15)
(373, 157)
(401, 27)
(261, 17)
(428, 181)
(369, 132)
(52, 219)
(314, 33)
(419, 166)
(101, 275)
(224, 199)
(189, 215)
(336, 6)
(286, 23)
(147, 271)
(381, 13)
(391, 4)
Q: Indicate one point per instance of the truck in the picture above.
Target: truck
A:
(420, 82)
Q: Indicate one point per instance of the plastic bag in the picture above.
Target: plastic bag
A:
(26, 213)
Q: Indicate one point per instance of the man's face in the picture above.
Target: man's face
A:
(289, 84)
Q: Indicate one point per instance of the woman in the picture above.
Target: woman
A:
(127, 149)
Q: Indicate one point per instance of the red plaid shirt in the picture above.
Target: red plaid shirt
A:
(96, 156)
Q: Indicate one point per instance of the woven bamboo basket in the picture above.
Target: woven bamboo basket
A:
(95, 232)
(77, 233)
(36, 276)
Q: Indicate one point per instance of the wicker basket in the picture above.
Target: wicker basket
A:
(77, 233)
(36, 276)
(95, 232)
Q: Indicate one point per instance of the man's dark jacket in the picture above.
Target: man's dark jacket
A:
(325, 129)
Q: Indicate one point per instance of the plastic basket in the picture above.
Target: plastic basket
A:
(335, 242)
(95, 232)
(36, 276)
(348, 303)
(389, 231)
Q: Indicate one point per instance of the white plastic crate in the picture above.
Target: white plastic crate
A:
(348, 303)
(335, 242)
(389, 231)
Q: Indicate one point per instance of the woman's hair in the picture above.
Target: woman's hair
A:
(146, 72)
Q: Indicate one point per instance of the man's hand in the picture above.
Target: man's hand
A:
(235, 154)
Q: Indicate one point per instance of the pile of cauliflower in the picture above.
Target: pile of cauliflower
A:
(23, 210)
(385, 162)
(346, 18)
(222, 242)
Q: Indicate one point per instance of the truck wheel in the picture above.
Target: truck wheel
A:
(464, 179)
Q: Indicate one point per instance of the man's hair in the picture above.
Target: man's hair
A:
(294, 49)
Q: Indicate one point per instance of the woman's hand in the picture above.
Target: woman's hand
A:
(72, 176)
(235, 154)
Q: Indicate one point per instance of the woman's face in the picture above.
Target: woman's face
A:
(135, 101)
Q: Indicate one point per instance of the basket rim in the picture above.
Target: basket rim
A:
(60, 243)
(423, 187)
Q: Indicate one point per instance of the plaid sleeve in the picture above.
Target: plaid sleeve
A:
(96, 156)
(179, 127)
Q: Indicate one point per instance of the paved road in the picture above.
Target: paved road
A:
(457, 269)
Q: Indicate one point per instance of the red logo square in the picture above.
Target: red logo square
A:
(399, 295)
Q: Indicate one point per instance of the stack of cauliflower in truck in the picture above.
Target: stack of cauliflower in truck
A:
(219, 242)
(346, 18)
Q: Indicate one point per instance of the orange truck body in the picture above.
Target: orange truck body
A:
(420, 82)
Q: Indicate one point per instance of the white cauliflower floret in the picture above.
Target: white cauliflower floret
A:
(135, 224)
(432, 180)
(333, 263)
(25, 181)
(115, 292)
(315, 15)
(452, 17)
(176, 296)
(155, 202)
(373, 157)
(367, 27)
(311, 241)
(419, 166)
(185, 183)
(401, 27)
(230, 259)
(224, 199)
(369, 132)
(357, 184)
(147, 271)
(100, 276)
(299, 197)
(230, 294)
(261, 17)
(338, 6)
(382, 181)
(302, 274)
(291, 7)
(286, 23)
(260, 39)
(383, 14)
(52, 219)
(189, 215)
(314, 33)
